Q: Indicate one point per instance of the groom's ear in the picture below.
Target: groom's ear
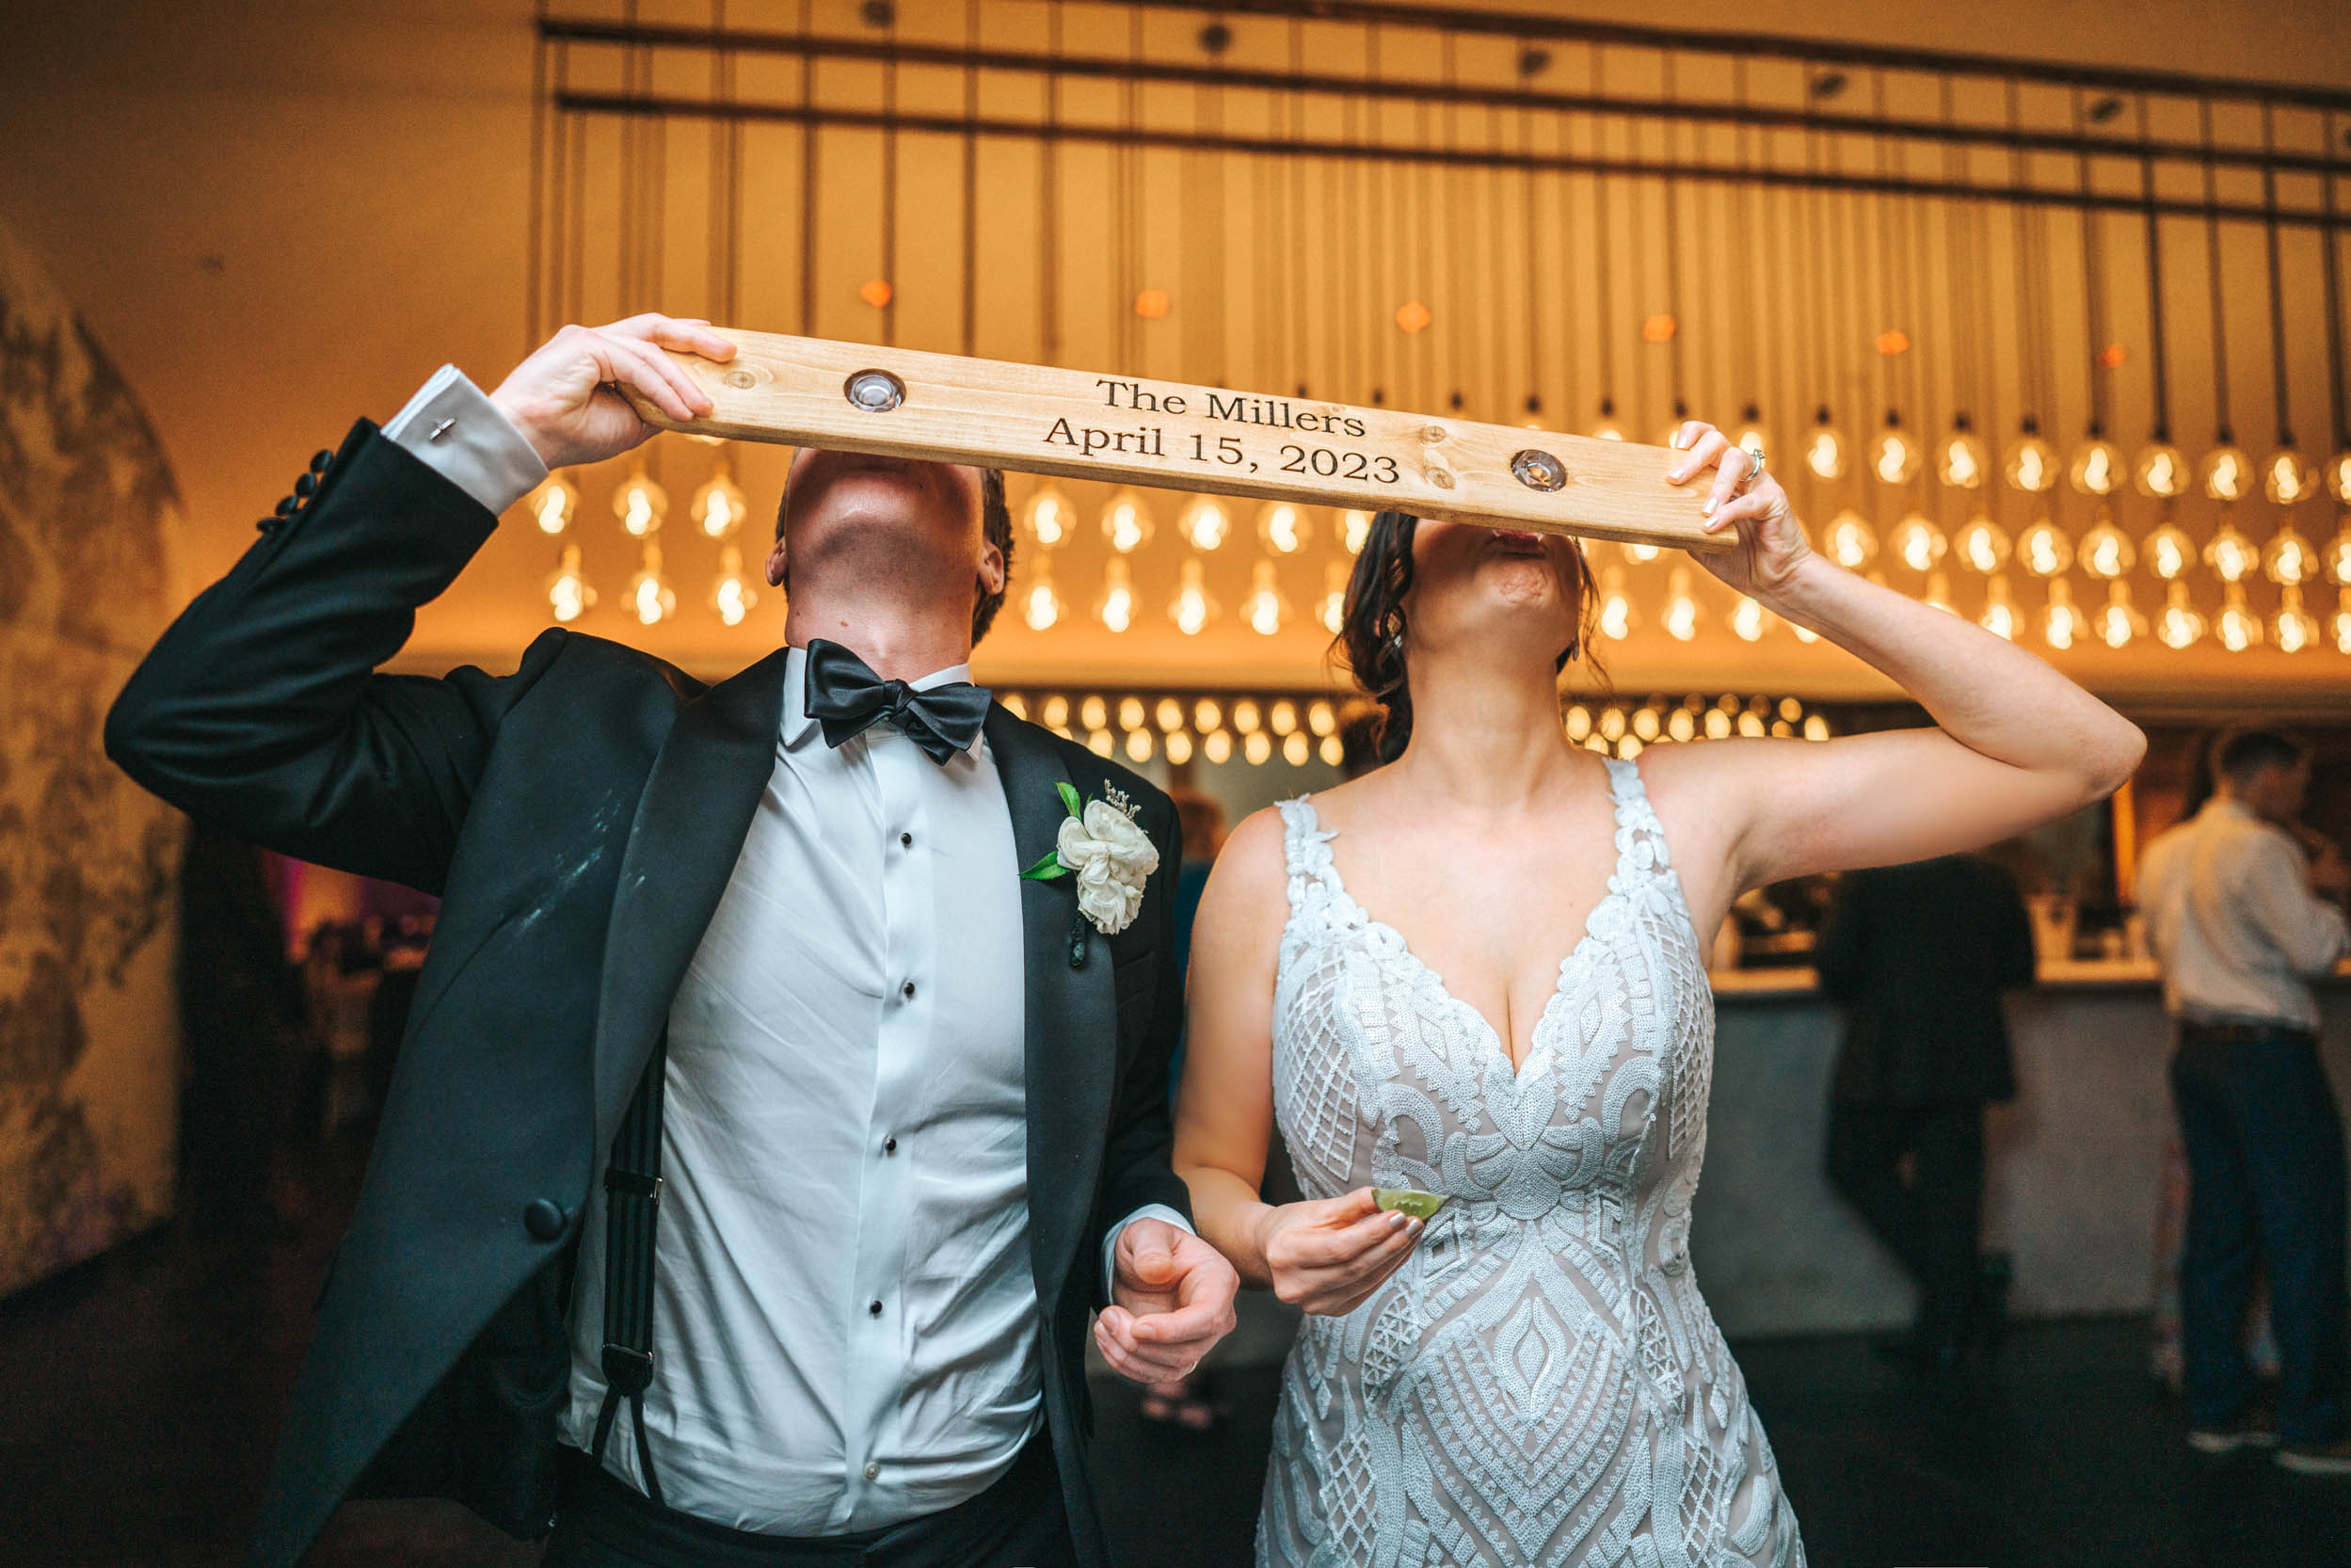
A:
(775, 564)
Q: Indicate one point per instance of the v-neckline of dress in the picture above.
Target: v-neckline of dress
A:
(1538, 1037)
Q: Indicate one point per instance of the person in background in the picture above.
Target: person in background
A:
(1919, 955)
(2234, 912)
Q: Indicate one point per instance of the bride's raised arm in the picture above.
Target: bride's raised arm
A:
(2014, 742)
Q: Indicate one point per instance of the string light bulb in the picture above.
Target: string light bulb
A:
(1750, 436)
(1851, 541)
(1205, 523)
(1048, 518)
(732, 596)
(1607, 429)
(2030, 463)
(2238, 627)
(1682, 613)
(1917, 543)
(2293, 628)
(1127, 521)
(2000, 613)
(1283, 527)
(2119, 620)
(1354, 527)
(553, 504)
(719, 506)
(2339, 552)
(1938, 593)
(2231, 554)
(2341, 624)
(1639, 554)
(1617, 617)
(2105, 551)
(651, 597)
(2338, 476)
(1042, 607)
(1962, 462)
(1893, 457)
(1191, 609)
(2170, 552)
(1825, 453)
(2286, 477)
(2096, 467)
(2063, 625)
(1115, 609)
(2043, 548)
(1982, 544)
(2225, 471)
(2179, 626)
(2289, 558)
(1750, 621)
(1264, 610)
(1333, 608)
(2162, 473)
(569, 593)
(640, 505)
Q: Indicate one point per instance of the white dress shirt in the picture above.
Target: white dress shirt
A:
(846, 1315)
(2231, 917)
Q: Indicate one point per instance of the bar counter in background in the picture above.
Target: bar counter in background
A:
(2074, 1166)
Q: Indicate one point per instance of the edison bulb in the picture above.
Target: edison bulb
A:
(1205, 523)
(1639, 554)
(2170, 552)
(651, 597)
(1961, 461)
(1049, 517)
(2105, 551)
(719, 506)
(1917, 543)
(2179, 625)
(640, 505)
(1825, 450)
(1982, 544)
(2289, 558)
(2339, 554)
(1893, 457)
(2225, 472)
(2118, 620)
(1750, 436)
(2030, 464)
(1354, 527)
(1283, 527)
(2293, 628)
(1616, 606)
(2341, 624)
(569, 595)
(2286, 478)
(2238, 627)
(2230, 553)
(1191, 609)
(1850, 540)
(2063, 625)
(1681, 607)
(1332, 611)
(2338, 476)
(1607, 429)
(1750, 621)
(1115, 609)
(2043, 548)
(1126, 523)
(2096, 467)
(2000, 614)
(732, 596)
(1041, 607)
(553, 504)
(1264, 609)
(2162, 473)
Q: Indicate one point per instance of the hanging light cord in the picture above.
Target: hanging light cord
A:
(2024, 219)
(2225, 427)
(1958, 299)
(2330, 272)
(1604, 255)
(1674, 257)
(2093, 278)
(1534, 255)
(2277, 284)
(2158, 355)
(1746, 332)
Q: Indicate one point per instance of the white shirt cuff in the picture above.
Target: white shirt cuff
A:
(452, 427)
(1110, 1242)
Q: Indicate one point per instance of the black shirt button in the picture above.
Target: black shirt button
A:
(907, 990)
(905, 841)
(873, 1308)
(304, 485)
(544, 1219)
(321, 459)
(286, 505)
(889, 1145)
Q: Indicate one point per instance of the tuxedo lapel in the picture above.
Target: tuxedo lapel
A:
(690, 826)
(1071, 1012)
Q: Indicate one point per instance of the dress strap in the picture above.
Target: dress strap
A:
(1639, 836)
(1306, 848)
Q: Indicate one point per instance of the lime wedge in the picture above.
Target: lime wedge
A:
(1420, 1206)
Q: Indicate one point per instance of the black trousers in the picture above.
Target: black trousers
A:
(1931, 1221)
(2265, 1191)
(1018, 1523)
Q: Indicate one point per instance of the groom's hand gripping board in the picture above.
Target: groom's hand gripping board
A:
(1039, 419)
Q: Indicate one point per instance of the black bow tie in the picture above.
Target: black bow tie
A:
(845, 696)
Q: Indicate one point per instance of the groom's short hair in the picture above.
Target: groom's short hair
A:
(996, 528)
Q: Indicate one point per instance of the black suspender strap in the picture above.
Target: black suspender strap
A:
(632, 1193)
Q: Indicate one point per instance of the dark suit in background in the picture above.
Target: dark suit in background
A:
(1919, 955)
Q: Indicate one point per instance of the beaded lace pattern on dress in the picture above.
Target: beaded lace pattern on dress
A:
(1539, 1382)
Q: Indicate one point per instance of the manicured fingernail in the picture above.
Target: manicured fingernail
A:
(1398, 1220)
(1708, 508)
(1412, 1229)
(1680, 474)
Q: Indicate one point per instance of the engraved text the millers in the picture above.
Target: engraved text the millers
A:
(1244, 408)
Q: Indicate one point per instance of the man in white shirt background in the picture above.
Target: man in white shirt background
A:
(2237, 913)
(765, 1146)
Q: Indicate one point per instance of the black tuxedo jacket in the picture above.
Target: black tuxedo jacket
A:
(580, 819)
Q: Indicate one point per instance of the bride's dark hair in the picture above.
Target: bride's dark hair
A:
(1371, 624)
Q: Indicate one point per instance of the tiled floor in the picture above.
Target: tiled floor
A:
(139, 1399)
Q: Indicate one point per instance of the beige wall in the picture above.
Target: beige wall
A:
(281, 215)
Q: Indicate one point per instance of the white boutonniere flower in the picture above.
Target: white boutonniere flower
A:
(1111, 858)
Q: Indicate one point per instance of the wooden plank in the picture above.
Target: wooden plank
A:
(1039, 419)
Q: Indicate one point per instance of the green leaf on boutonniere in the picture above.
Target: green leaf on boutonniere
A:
(1069, 798)
(1049, 865)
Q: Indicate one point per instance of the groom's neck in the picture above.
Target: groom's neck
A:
(899, 641)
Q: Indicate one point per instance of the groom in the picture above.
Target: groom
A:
(763, 1141)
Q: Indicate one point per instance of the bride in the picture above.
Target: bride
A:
(1479, 972)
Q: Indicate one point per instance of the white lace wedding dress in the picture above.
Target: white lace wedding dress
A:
(1539, 1382)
